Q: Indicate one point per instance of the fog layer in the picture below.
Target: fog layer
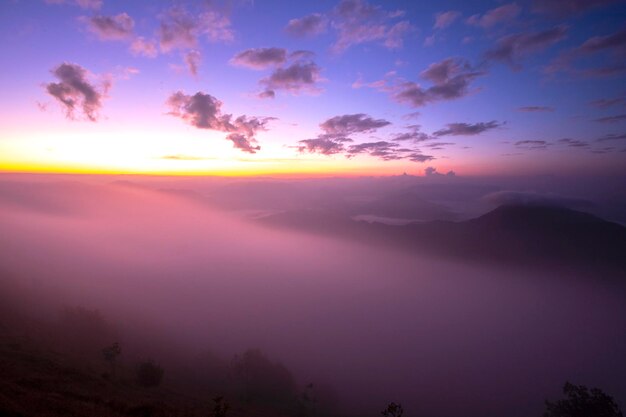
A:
(443, 338)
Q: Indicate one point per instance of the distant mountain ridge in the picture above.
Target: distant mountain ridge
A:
(511, 234)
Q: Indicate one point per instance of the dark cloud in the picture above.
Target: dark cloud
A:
(180, 29)
(352, 123)
(115, 28)
(615, 42)
(192, 60)
(467, 129)
(611, 119)
(418, 157)
(260, 58)
(493, 17)
(531, 144)
(311, 25)
(84, 4)
(510, 49)
(563, 8)
(267, 94)
(535, 109)
(451, 79)
(204, 111)
(445, 19)
(298, 77)
(381, 149)
(432, 172)
(573, 143)
(75, 93)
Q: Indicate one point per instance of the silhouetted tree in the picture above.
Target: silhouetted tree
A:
(221, 407)
(306, 402)
(110, 354)
(149, 374)
(393, 410)
(582, 402)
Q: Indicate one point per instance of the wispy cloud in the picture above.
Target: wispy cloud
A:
(467, 129)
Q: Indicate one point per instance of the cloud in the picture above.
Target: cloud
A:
(266, 94)
(323, 145)
(260, 58)
(611, 119)
(142, 47)
(179, 157)
(467, 129)
(451, 79)
(335, 136)
(608, 102)
(611, 136)
(495, 16)
(110, 28)
(355, 22)
(75, 93)
(564, 8)
(510, 49)
(533, 198)
(204, 111)
(298, 77)
(572, 143)
(531, 144)
(84, 4)
(311, 25)
(192, 60)
(179, 29)
(432, 172)
(445, 19)
(414, 135)
(352, 123)
(613, 44)
(535, 109)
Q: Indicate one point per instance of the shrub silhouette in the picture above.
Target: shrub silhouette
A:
(261, 380)
(582, 402)
(82, 331)
(393, 410)
(221, 407)
(149, 374)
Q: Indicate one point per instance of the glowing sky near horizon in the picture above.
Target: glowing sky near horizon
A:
(326, 87)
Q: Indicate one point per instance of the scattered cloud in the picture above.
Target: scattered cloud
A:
(180, 29)
(296, 78)
(355, 22)
(311, 25)
(352, 123)
(608, 102)
(445, 19)
(611, 119)
(572, 143)
(512, 48)
(467, 129)
(432, 172)
(531, 144)
(204, 111)
(83, 4)
(564, 8)
(142, 47)
(614, 45)
(450, 78)
(260, 58)
(192, 60)
(76, 93)
(493, 17)
(535, 109)
(110, 28)
(323, 145)
(414, 135)
(611, 136)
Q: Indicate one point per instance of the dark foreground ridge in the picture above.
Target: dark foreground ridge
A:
(527, 235)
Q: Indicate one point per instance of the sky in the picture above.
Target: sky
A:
(348, 87)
